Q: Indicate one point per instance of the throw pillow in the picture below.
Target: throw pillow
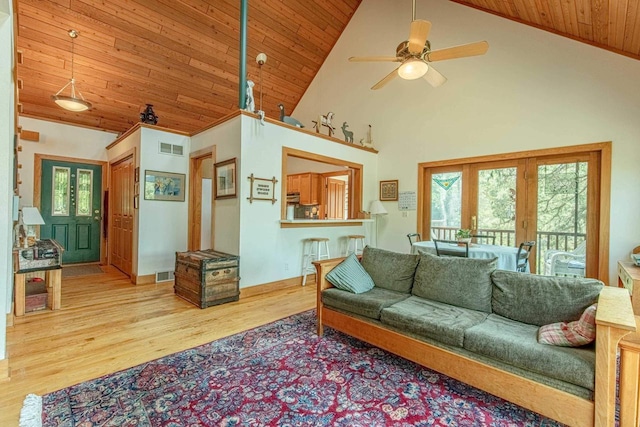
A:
(572, 334)
(350, 276)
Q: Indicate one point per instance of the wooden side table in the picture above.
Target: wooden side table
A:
(53, 279)
(629, 277)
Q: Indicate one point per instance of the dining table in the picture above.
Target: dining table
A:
(506, 254)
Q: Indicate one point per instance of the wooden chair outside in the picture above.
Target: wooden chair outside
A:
(451, 248)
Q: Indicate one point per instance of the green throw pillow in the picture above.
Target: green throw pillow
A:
(350, 276)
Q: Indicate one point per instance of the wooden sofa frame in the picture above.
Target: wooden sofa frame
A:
(614, 320)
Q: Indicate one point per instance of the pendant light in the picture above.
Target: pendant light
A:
(73, 102)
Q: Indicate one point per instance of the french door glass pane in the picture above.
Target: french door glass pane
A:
(446, 204)
(562, 218)
(84, 192)
(60, 196)
(497, 204)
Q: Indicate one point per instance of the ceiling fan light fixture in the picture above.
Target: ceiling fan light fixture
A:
(413, 69)
(73, 102)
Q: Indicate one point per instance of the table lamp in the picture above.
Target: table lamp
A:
(31, 217)
(376, 209)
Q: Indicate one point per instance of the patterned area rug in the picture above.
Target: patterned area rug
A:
(80, 270)
(281, 374)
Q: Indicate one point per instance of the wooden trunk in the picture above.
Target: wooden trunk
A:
(207, 277)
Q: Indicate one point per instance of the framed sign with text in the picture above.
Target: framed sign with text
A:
(262, 189)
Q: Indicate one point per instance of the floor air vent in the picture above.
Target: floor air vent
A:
(164, 276)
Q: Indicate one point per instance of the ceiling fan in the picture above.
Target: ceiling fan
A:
(415, 55)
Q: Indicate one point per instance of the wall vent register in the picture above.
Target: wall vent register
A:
(166, 148)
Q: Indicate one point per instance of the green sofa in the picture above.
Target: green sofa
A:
(455, 314)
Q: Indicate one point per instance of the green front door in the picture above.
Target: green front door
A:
(70, 207)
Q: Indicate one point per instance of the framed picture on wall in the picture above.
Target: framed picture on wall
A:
(164, 186)
(389, 191)
(225, 179)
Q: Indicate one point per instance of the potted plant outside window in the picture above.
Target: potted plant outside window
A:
(464, 235)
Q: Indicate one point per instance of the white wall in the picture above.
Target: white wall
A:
(162, 225)
(532, 90)
(59, 140)
(268, 252)
(226, 140)
(6, 166)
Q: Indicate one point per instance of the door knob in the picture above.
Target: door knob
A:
(97, 218)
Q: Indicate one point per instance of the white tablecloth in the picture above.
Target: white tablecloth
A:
(506, 254)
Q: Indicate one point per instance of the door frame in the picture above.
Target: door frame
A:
(195, 197)
(37, 189)
(601, 198)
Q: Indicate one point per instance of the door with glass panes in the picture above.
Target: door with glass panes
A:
(70, 205)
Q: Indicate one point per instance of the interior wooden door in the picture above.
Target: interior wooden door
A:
(121, 213)
(335, 198)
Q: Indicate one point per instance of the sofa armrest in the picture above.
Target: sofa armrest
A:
(323, 267)
(614, 320)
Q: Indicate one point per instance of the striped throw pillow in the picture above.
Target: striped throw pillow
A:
(350, 276)
(571, 334)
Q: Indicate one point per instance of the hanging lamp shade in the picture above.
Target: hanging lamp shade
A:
(73, 100)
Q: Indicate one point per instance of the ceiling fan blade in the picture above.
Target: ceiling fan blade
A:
(374, 59)
(434, 77)
(471, 49)
(418, 35)
(385, 80)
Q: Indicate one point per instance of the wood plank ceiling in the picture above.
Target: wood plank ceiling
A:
(179, 55)
(182, 55)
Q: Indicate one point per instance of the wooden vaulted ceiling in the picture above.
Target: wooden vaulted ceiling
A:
(182, 55)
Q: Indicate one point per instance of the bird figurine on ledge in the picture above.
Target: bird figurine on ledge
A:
(288, 119)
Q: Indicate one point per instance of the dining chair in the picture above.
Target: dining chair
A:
(483, 238)
(522, 258)
(451, 248)
(414, 237)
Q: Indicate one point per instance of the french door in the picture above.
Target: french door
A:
(553, 199)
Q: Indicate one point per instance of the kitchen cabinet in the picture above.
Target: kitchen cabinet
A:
(309, 185)
(293, 183)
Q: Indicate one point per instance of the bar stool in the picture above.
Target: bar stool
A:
(355, 244)
(313, 249)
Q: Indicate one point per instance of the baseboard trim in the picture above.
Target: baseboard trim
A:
(5, 372)
(292, 282)
(143, 280)
(10, 317)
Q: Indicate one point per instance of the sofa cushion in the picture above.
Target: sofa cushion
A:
(368, 304)
(390, 270)
(573, 334)
(516, 343)
(443, 322)
(464, 282)
(350, 276)
(540, 300)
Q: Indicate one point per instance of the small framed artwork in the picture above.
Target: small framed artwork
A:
(225, 179)
(165, 186)
(389, 191)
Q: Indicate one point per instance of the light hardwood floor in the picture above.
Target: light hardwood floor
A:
(107, 324)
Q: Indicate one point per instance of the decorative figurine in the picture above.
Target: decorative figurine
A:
(251, 104)
(325, 121)
(369, 142)
(148, 116)
(288, 119)
(348, 135)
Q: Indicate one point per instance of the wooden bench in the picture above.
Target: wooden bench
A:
(614, 320)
